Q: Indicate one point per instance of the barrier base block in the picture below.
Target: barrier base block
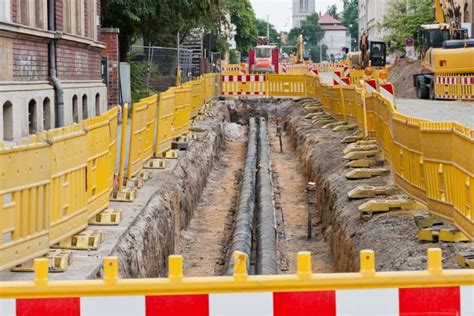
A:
(368, 209)
(172, 154)
(58, 261)
(364, 192)
(323, 121)
(180, 144)
(363, 154)
(335, 124)
(466, 259)
(155, 164)
(365, 163)
(345, 128)
(134, 183)
(85, 240)
(321, 116)
(109, 217)
(442, 233)
(352, 139)
(145, 175)
(127, 195)
(426, 220)
(360, 146)
(366, 173)
(315, 109)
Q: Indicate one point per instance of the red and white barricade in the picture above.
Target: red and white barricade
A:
(246, 85)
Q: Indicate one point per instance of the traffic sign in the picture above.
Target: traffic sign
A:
(410, 42)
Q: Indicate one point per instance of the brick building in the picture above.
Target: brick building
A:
(50, 61)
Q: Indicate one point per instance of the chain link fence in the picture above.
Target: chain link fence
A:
(154, 69)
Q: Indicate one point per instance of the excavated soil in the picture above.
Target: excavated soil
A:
(401, 75)
(391, 235)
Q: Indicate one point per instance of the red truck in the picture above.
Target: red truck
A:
(264, 58)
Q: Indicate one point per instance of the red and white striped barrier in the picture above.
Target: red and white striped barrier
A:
(347, 72)
(456, 300)
(370, 86)
(446, 80)
(388, 91)
(243, 78)
(338, 80)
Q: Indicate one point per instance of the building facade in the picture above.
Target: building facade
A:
(467, 16)
(372, 12)
(50, 56)
(301, 10)
(336, 35)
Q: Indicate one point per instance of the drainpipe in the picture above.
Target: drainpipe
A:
(52, 66)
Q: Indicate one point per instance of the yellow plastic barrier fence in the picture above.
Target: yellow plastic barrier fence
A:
(366, 292)
(286, 85)
(454, 87)
(165, 122)
(69, 201)
(246, 85)
(112, 116)
(233, 69)
(25, 195)
(298, 69)
(142, 132)
(210, 86)
(183, 105)
(197, 97)
(98, 163)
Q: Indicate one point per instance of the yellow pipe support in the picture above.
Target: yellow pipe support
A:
(366, 278)
(123, 145)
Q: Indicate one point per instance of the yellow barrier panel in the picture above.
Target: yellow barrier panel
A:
(142, 133)
(286, 85)
(166, 113)
(182, 108)
(112, 116)
(24, 203)
(197, 96)
(209, 86)
(68, 182)
(98, 164)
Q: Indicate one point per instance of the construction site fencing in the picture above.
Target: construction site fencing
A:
(454, 87)
(56, 181)
(234, 69)
(432, 161)
(366, 292)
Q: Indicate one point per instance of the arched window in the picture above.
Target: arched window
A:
(75, 112)
(97, 104)
(46, 114)
(8, 121)
(85, 109)
(32, 117)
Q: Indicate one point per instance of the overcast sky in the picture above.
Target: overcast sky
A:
(280, 10)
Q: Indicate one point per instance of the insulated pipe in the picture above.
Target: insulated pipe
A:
(58, 88)
(242, 235)
(266, 230)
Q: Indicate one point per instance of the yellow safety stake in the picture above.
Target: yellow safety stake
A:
(111, 270)
(175, 270)
(240, 265)
(435, 260)
(41, 271)
(123, 146)
(304, 264)
(367, 262)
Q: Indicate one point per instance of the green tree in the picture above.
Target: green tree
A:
(262, 31)
(243, 17)
(403, 20)
(332, 10)
(312, 34)
(350, 17)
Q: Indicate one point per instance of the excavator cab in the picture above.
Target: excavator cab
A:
(433, 36)
(378, 54)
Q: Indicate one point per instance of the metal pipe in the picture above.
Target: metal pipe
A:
(267, 227)
(242, 235)
(58, 88)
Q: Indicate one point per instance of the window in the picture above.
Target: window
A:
(97, 104)
(46, 114)
(8, 121)
(32, 117)
(76, 18)
(5, 11)
(85, 110)
(75, 112)
(32, 13)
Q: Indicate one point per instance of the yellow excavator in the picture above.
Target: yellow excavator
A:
(446, 50)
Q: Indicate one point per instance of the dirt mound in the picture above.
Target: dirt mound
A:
(401, 75)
